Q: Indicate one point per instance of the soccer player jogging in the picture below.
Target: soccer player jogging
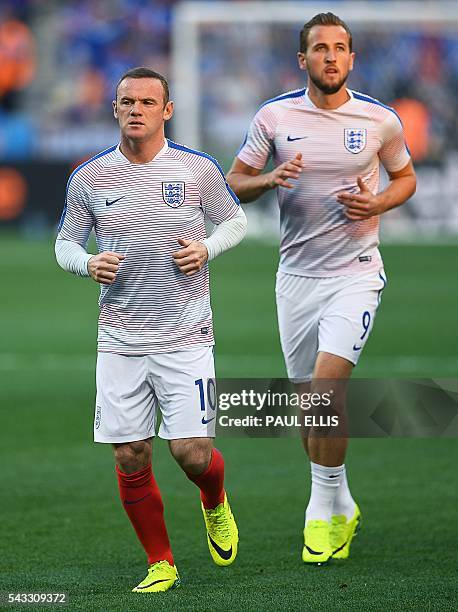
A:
(147, 199)
(326, 142)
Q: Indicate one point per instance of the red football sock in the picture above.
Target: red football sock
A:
(142, 501)
(211, 482)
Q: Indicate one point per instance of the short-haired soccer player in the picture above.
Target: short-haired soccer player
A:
(147, 199)
(326, 142)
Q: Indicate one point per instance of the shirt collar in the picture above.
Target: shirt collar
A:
(159, 154)
(309, 103)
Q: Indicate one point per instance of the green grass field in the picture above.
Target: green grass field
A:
(63, 528)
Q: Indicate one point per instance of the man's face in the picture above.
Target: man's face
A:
(328, 59)
(139, 108)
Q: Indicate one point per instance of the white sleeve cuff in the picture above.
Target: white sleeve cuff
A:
(226, 235)
(72, 257)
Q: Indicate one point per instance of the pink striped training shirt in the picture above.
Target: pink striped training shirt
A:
(337, 146)
(140, 210)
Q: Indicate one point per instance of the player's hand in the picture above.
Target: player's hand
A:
(362, 205)
(285, 171)
(104, 267)
(191, 257)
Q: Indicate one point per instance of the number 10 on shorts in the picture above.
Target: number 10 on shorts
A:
(207, 397)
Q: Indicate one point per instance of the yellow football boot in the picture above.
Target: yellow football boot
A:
(343, 532)
(222, 533)
(317, 545)
(161, 577)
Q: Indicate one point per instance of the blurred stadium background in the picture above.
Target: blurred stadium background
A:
(60, 61)
(61, 522)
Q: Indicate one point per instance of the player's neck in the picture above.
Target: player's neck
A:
(327, 101)
(141, 152)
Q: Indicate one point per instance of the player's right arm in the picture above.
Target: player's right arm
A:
(249, 183)
(75, 227)
(246, 177)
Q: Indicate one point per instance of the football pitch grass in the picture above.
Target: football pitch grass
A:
(63, 528)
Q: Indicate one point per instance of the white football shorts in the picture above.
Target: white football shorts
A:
(131, 389)
(333, 315)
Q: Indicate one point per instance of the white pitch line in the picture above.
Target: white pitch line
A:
(254, 365)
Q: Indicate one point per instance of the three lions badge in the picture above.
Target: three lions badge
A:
(173, 193)
(355, 139)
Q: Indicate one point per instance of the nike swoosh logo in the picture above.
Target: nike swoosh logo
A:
(357, 348)
(333, 475)
(346, 541)
(108, 203)
(340, 548)
(313, 552)
(224, 554)
(289, 139)
(151, 583)
(205, 421)
(136, 501)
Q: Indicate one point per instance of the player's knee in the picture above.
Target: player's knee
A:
(132, 456)
(330, 397)
(192, 456)
(197, 464)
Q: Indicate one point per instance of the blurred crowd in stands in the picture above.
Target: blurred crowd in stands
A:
(59, 61)
(416, 71)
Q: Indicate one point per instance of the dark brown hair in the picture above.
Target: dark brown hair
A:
(145, 73)
(325, 19)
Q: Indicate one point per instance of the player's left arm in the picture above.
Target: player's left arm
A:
(366, 204)
(222, 207)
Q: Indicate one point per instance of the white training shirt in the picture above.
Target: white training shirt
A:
(337, 146)
(140, 210)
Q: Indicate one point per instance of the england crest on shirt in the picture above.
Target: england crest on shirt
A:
(355, 139)
(173, 193)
